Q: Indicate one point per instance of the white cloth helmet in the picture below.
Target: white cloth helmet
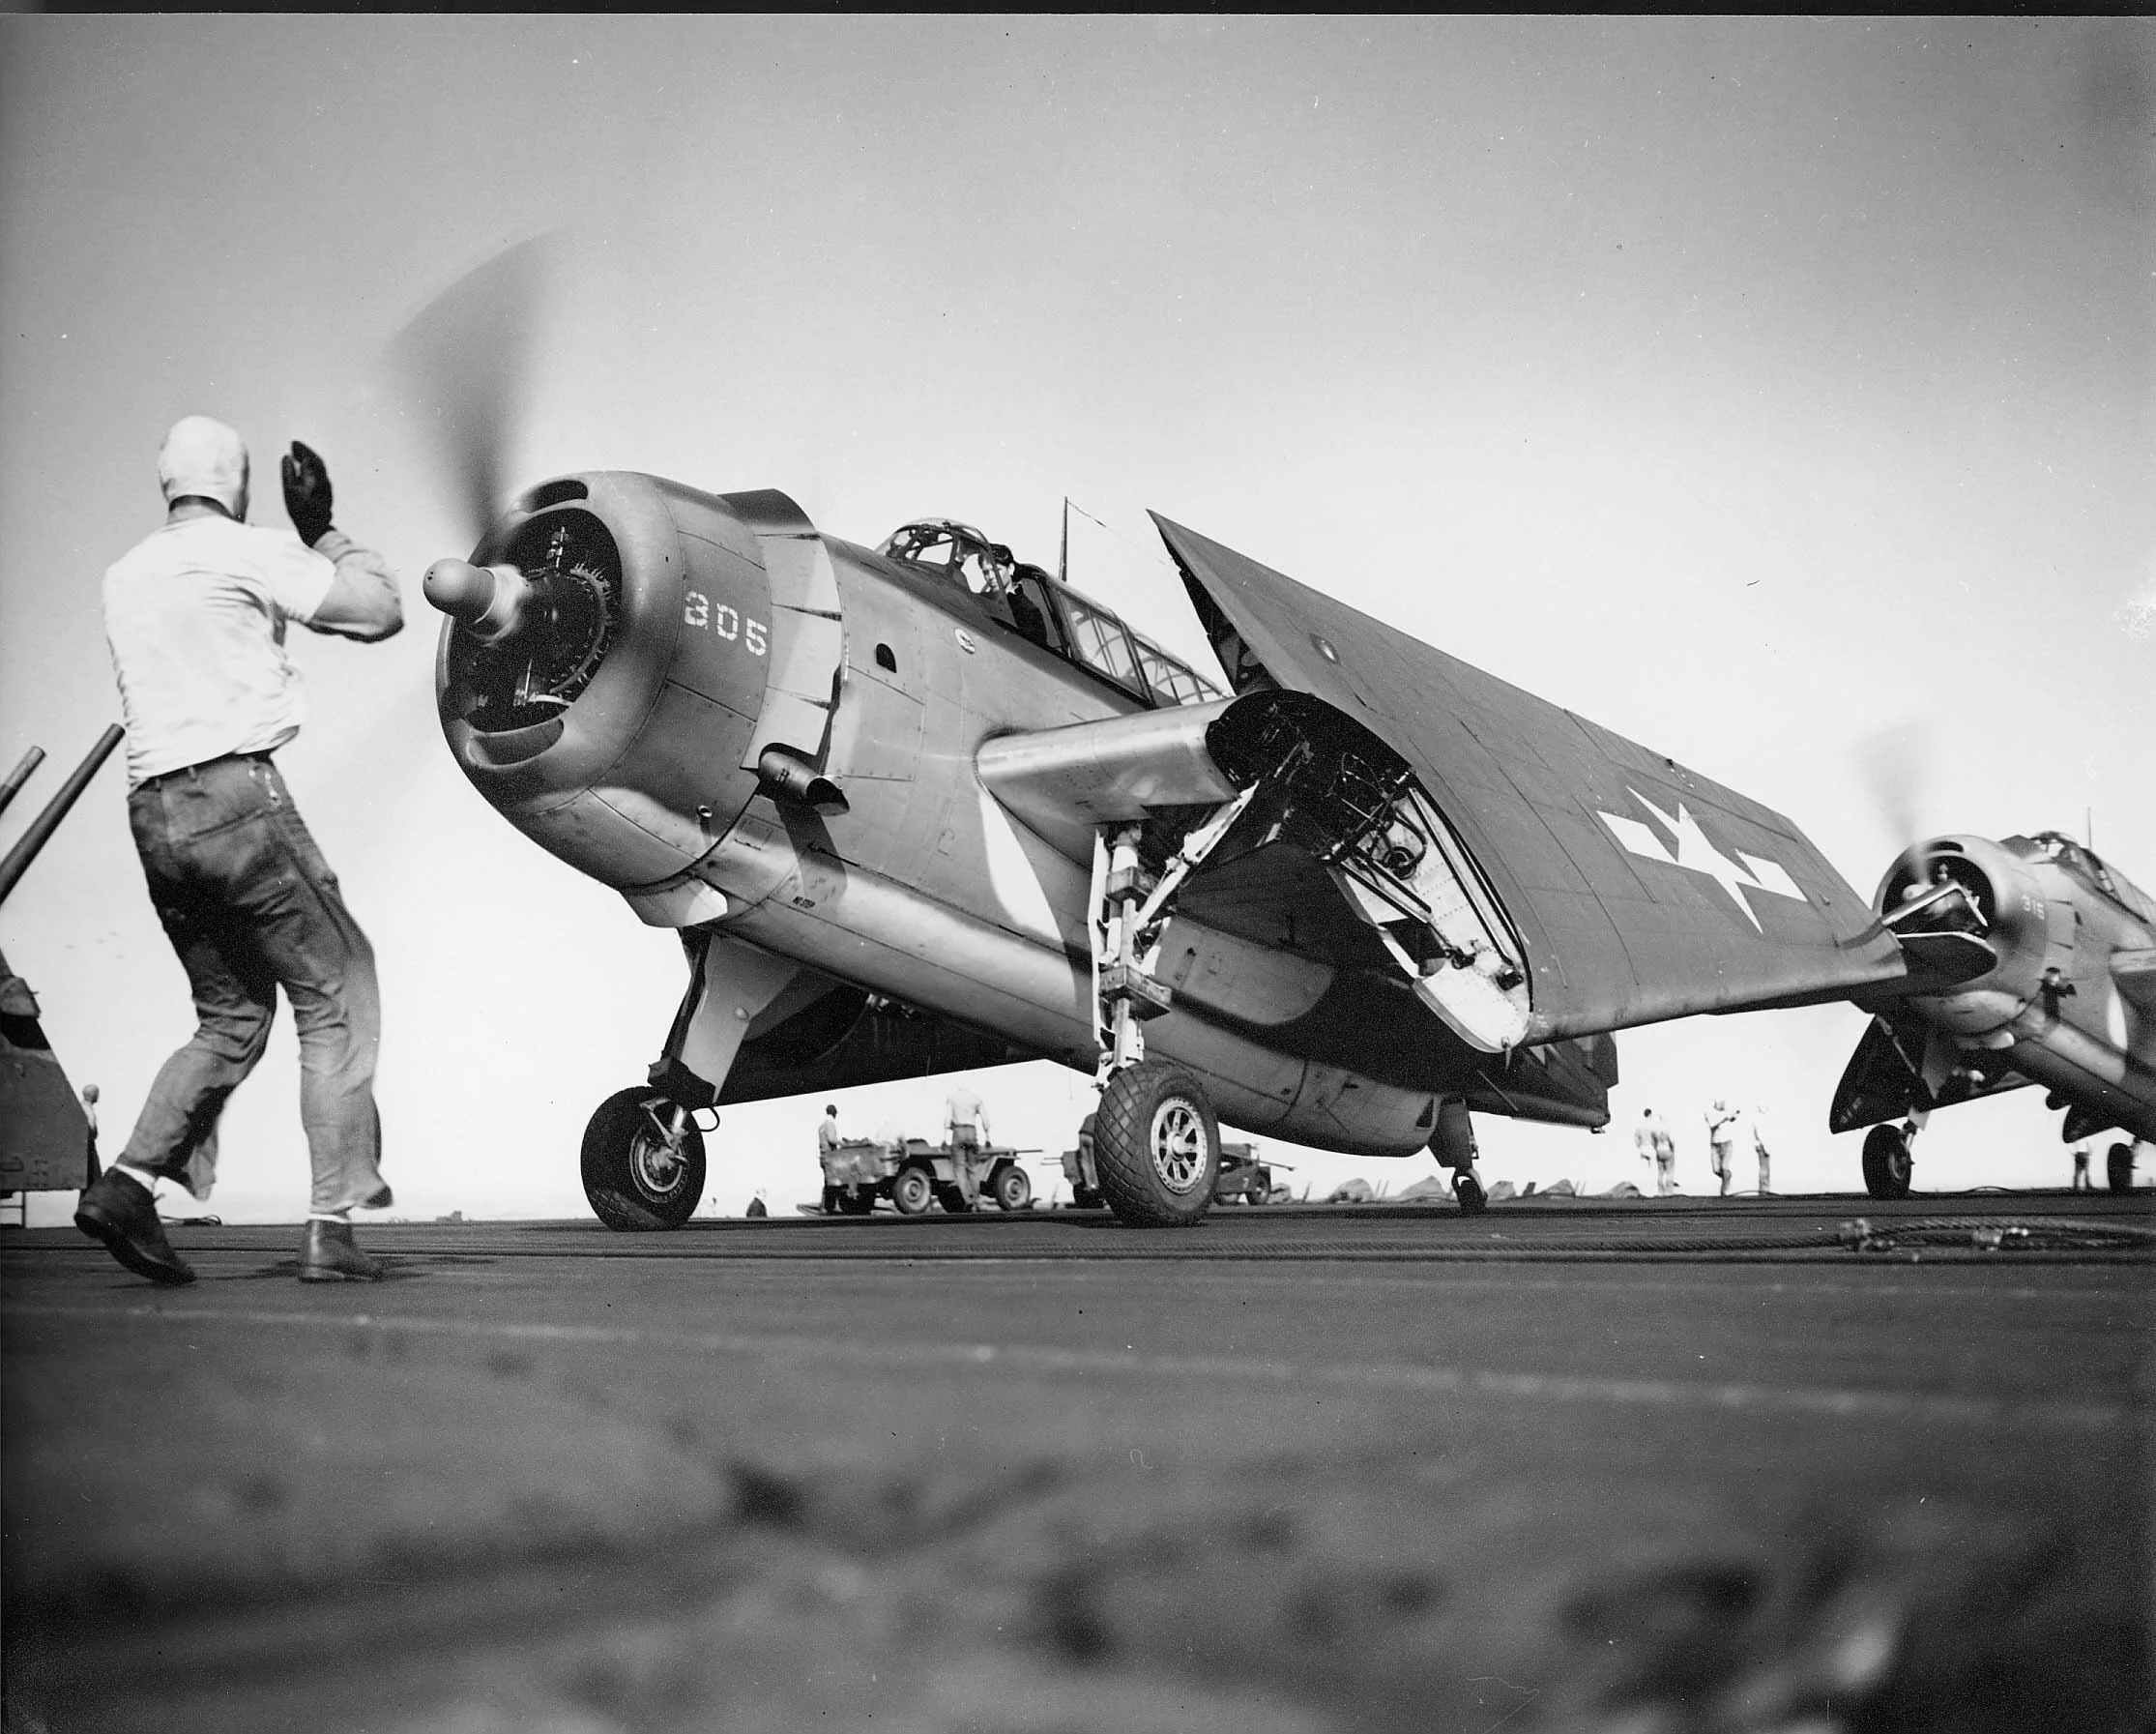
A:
(204, 456)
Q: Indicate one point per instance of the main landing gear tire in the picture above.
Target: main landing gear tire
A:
(912, 1192)
(635, 1178)
(2118, 1168)
(1467, 1190)
(1156, 1146)
(1887, 1162)
(1011, 1188)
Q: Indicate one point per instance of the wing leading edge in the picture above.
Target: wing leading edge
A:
(1640, 890)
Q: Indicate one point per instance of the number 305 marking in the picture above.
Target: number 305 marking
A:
(726, 622)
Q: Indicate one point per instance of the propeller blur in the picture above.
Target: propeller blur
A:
(466, 359)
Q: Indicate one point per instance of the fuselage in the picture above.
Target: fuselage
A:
(731, 627)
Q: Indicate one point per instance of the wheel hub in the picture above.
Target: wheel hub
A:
(656, 1162)
(1178, 1145)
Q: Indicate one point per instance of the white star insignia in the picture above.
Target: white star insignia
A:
(1695, 854)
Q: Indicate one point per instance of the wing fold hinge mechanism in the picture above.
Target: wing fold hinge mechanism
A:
(1336, 790)
(1130, 908)
(1402, 870)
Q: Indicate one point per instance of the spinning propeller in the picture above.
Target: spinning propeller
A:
(466, 358)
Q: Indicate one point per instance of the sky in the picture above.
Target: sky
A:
(1778, 392)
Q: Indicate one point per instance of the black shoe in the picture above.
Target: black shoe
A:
(328, 1254)
(117, 1209)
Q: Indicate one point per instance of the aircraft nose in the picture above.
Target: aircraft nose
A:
(603, 667)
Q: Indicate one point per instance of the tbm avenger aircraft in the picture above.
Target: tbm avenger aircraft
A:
(920, 809)
(2061, 951)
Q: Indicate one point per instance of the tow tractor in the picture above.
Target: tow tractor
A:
(1241, 1174)
(914, 1174)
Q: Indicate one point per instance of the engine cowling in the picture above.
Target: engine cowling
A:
(603, 667)
(1975, 887)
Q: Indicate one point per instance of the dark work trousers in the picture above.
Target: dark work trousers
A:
(251, 906)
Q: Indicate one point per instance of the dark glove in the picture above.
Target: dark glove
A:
(306, 493)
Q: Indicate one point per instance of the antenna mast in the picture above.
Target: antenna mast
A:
(1062, 555)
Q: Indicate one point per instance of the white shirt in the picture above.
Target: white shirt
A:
(964, 1107)
(194, 616)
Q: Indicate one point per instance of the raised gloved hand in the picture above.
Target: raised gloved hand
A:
(306, 493)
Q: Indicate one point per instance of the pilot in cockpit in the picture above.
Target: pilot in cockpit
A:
(987, 569)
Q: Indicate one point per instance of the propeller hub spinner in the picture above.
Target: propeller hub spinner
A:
(487, 600)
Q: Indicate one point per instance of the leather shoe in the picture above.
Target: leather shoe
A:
(328, 1254)
(117, 1209)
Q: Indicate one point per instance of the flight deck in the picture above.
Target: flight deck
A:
(1564, 1464)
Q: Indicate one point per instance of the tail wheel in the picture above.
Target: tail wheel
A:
(1012, 1187)
(1156, 1146)
(1887, 1162)
(2118, 1168)
(913, 1191)
(637, 1175)
(953, 1200)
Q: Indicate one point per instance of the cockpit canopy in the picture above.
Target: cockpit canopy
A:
(1025, 598)
(943, 544)
(2085, 864)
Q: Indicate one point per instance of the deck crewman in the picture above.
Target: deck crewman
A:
(967, 1117)
(196, 617)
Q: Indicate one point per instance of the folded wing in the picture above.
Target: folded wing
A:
(1635, 889)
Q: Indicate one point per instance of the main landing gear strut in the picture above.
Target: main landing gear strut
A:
(1154, 1153)
(1155, 1144)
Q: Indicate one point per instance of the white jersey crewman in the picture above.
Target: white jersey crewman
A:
(196, 617)
(967, 1117)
